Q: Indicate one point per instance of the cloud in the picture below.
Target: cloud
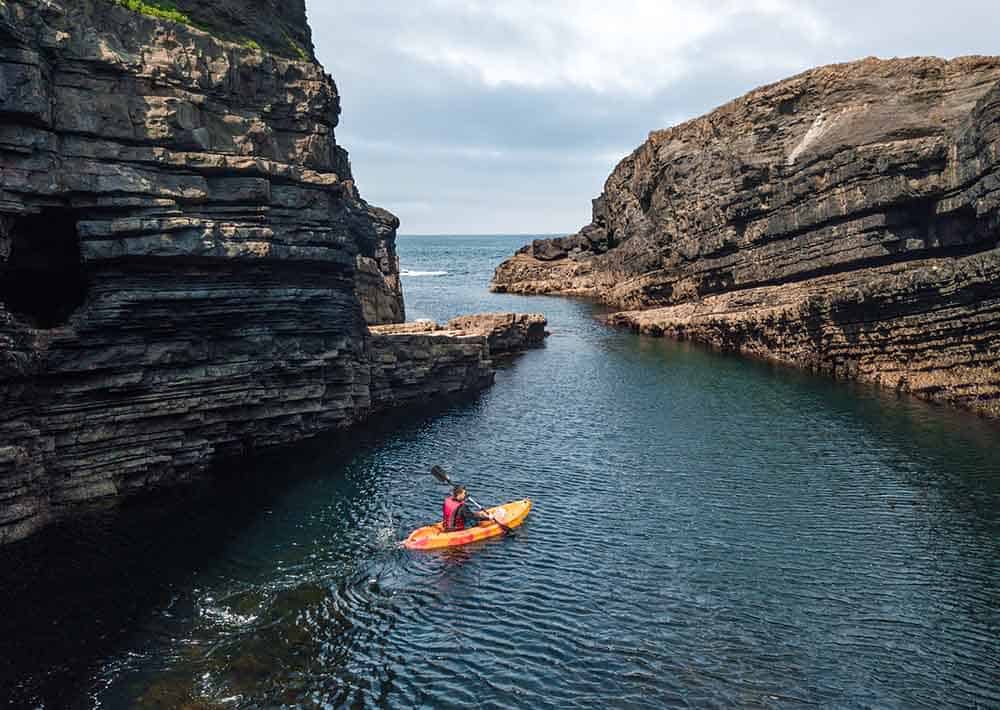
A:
(492, 156)
(477, 116)
(590, 44)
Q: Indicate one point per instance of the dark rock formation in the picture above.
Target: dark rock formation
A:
(410, 368)
(276, 25)
(377, 281)
(185, 263)
(504, 332)
(845, 220)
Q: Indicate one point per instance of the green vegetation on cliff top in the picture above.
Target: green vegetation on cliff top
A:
(157, 8)
(165, 10)
(296, 48)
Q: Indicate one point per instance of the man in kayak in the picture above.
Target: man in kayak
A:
(457, 515)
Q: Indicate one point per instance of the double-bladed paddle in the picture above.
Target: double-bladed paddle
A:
(441, 475)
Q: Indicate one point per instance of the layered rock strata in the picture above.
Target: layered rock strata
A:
(845, 220)
(504, 332)
(412, 368)
(414, 361)
(376, 280)
(276, 25)
(186, 265)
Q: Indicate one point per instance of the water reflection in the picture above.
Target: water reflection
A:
(706, 532)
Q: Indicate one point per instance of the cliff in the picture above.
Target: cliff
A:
(505, 333)
(279, 26)
(186, 266)
(845, 220)
(414, 361)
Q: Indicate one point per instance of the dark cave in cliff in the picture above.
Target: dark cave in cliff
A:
(42, 278)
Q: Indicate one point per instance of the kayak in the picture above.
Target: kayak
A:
(433, 537)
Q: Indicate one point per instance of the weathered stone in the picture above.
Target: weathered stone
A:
(846, 220)
(278, 25)
(504, 332)
(410, 368)
(180, 240)
(417, 326)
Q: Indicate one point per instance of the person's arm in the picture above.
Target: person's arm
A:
(470, 517)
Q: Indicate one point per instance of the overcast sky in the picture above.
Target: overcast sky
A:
(506, 116)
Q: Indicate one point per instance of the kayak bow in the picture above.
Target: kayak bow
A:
(432, 537)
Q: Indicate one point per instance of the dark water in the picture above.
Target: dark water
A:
(708, 532)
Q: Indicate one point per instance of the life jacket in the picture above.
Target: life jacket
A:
(452, 520)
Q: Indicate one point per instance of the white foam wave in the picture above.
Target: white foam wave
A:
(408, 272)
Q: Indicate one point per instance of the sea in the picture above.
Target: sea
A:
(707, 532)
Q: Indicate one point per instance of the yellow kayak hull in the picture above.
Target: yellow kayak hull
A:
(433, 537)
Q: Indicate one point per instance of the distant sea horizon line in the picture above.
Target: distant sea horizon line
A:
(485, 234)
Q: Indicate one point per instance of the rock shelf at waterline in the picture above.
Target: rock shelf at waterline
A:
(845, 220)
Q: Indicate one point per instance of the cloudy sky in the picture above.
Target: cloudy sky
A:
(479, 116)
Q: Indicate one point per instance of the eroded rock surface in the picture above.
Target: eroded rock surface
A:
(277, 25)
(504, 332)
(186, 266)
(410, 368)
(846, 220)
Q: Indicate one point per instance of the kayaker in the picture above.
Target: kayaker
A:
(457, 514)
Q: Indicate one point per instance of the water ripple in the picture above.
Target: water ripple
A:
(707, 532)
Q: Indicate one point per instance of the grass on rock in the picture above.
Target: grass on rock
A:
(297, 48)
(156, 8)
(166, 10)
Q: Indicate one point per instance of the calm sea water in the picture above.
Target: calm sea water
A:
(708, 532)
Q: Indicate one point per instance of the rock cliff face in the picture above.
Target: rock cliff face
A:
(504, 332)
(186, 266)
(845, 220)
(276, 25)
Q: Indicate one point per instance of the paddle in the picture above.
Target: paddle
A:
(442, 476)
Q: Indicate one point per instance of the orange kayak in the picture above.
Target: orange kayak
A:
(432, 537)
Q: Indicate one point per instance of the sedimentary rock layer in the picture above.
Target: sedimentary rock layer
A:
(411, 362)
(410, 368)
(276, 25)
(504, 332)
(186, 265)
(846, 219)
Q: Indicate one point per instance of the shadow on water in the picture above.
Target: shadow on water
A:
(73, 594)
(940, 463)
(891, 418)
(707, 532)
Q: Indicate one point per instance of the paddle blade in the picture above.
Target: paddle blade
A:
(440, 474)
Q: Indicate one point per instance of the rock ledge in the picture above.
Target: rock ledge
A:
(504, 332)
(845, 220)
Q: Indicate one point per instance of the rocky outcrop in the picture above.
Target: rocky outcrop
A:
(185, 262)
(377, 282)
(276, 25)
(845, 220)
(412, 368)
(504, 332)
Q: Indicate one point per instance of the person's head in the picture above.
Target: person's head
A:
(458, 493)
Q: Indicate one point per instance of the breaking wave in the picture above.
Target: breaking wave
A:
(410, 272)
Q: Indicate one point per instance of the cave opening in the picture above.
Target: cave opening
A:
(42, 279)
